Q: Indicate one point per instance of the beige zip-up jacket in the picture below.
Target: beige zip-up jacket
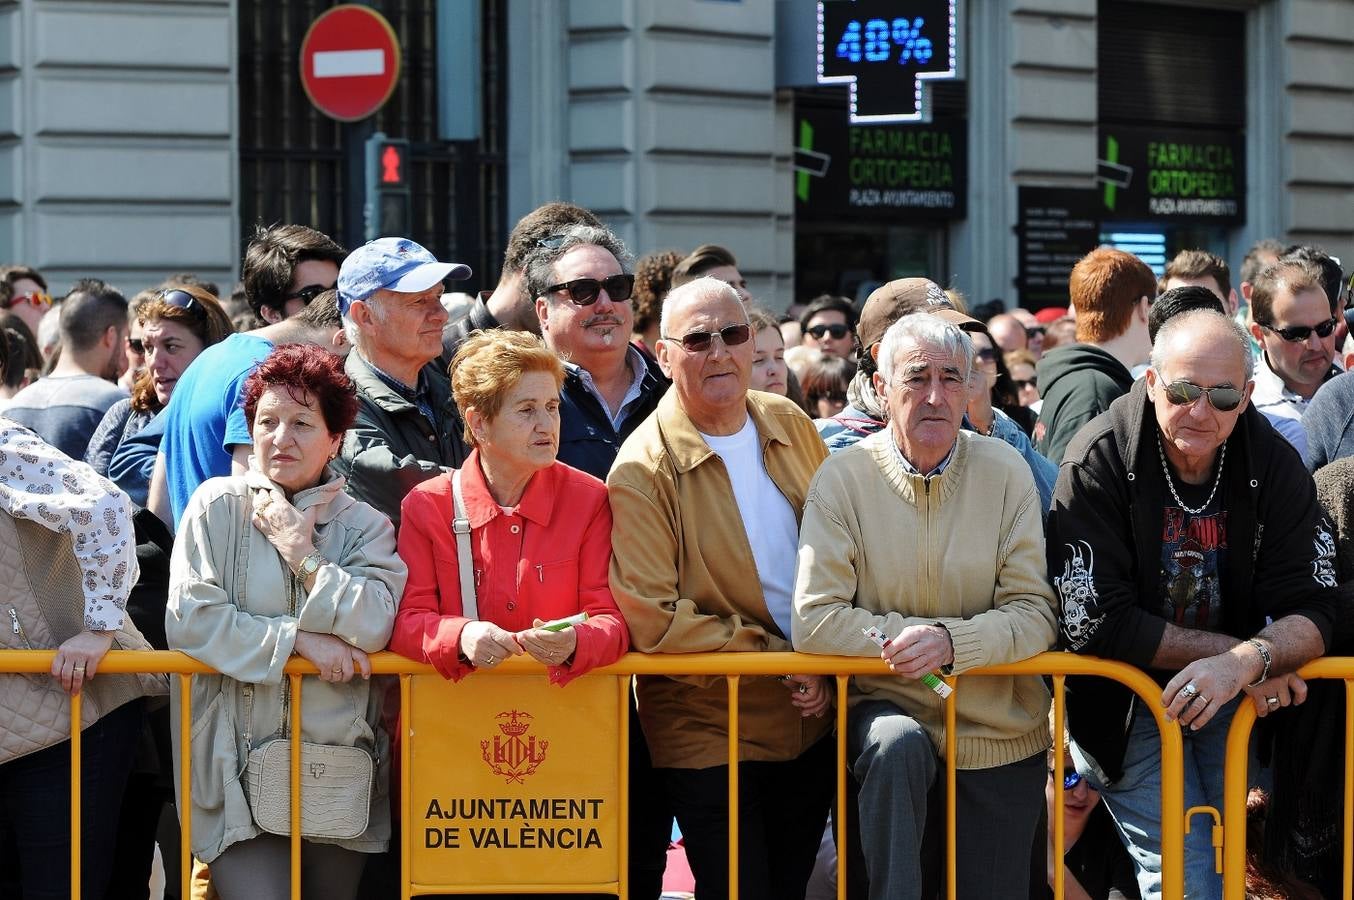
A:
(228, 608)
(684, 576)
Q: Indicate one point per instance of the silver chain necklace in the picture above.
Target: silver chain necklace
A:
(1170, 483)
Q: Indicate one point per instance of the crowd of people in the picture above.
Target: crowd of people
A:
(602, 455)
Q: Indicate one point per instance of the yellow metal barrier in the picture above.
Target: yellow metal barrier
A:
(730, 665)
(1235, 781)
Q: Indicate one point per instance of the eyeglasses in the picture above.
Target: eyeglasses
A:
(35, 298)
(554, 242)
(307, 294)
(986, 354)
(1026, 382)
(1296, 334)
(585, 291)
(1223, 399)
(731, 335)
(837, 331)
(137, 346)
(181, 299)
(1037, 331)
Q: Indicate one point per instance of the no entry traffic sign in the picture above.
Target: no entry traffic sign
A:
(350, 62)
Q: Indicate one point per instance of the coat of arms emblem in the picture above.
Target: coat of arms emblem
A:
(514, 754)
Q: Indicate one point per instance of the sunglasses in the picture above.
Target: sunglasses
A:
(837, 331)
(1037, 331)
(585, 291)
(307, 293)
(1070, 779)
(551, 243)
(731, 335)
(987, 354)
(1223, 399)
(35, 298)
(181, 299)
(1026, 382)
(1296, 334)
(137, 346)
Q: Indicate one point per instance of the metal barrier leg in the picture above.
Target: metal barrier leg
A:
(733, 787)
(186, 786)
(1234, 803)
(1059, 791)
(623, 767)
(406, 801)
(951, 823)
(294, 686)
(76, 803)
(1347, 867)
(842, 763)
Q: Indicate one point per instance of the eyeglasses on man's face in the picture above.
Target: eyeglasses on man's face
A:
(1296, 334)
(700, 341)
(586, 291)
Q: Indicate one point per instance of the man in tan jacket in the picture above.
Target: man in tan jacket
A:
(706, 497)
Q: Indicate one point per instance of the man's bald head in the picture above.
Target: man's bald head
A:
(1202, 332)
(703, 292)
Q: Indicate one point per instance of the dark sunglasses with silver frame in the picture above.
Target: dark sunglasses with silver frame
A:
(585, 291)
(1296, 334)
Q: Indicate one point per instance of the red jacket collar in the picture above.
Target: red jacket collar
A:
(480, 506)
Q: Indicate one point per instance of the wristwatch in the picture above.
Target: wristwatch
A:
(310, 565)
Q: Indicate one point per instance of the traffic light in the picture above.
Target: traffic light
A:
(388, 198)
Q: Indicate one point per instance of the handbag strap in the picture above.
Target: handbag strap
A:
(460, 526)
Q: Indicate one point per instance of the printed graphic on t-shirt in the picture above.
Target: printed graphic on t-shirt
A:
(1193, 550)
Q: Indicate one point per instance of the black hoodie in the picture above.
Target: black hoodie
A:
(1076, 383)
(1104, 553)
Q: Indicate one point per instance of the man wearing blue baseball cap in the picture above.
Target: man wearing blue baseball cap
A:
(408, 428)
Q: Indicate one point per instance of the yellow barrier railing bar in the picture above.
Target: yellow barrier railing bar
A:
(1058, 665)
(76, 799)
(842, 682)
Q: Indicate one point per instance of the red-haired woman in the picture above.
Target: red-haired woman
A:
(274, 562)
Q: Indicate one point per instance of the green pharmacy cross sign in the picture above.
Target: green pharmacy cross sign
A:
(1175, 174)
(883, 50)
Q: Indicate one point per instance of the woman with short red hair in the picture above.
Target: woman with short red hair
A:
(278, 561)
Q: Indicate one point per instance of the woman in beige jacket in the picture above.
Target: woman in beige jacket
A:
(275, 562)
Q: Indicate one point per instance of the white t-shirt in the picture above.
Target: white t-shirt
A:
(775, 533)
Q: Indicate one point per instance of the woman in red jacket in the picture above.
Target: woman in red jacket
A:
(540, 531)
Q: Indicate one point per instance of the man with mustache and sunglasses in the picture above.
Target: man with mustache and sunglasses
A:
(1294, 321)
(582, 281)
(706, 497)
(1186, 539)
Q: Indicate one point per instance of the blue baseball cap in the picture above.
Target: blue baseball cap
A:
(392, 264)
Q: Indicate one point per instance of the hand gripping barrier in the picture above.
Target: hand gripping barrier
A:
(731, 666)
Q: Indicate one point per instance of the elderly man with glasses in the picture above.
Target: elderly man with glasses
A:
(1186, 539)
(706, 497)
(582, 281)
(923, 544)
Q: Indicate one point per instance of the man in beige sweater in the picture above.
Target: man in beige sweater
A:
(933, 536)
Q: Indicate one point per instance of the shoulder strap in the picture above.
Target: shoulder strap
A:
(460, 526)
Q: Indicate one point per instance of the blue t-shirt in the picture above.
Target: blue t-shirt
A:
(204, 418)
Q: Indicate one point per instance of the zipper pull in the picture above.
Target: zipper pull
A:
(14, 618)
(478, 573)
(540, 574)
